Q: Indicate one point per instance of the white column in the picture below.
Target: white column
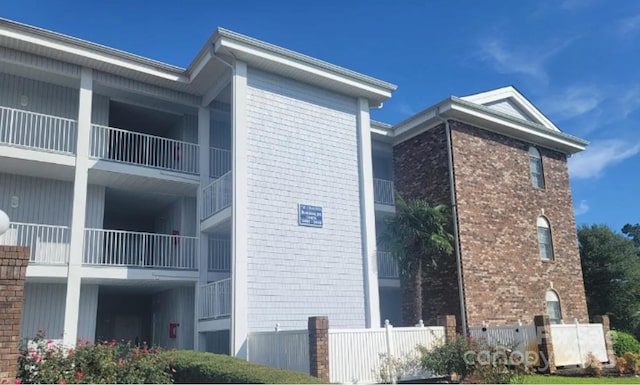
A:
(203, 262)
(72, 303)
(368, 216)
(239, 221)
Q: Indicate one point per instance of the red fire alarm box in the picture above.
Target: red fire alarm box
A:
(173, 330)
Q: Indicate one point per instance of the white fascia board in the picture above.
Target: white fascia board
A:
(251, 53)
(74, 49)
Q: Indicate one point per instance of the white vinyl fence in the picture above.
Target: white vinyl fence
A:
(571, 342)
(48, 244)
(39, 131)
(355, 355)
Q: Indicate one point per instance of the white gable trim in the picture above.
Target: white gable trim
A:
(510, 92)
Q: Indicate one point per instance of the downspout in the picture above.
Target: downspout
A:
(454, 211)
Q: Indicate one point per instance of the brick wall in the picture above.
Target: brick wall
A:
(421, 171)
(504, 277)
(13, 267)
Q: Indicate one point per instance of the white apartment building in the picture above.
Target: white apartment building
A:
(189, 207)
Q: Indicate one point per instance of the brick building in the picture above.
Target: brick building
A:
(517, 252)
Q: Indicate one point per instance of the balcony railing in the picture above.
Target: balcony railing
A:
(383, 192)
(219, 162)
(387, 265)
(219, 254)
(130, 147)
(38, 131)
(215, 300)
(135, 249)
(48, 244)
(217, 195)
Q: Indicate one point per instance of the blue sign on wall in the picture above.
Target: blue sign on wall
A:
(309, 215)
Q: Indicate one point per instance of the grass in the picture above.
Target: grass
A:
(539, 379)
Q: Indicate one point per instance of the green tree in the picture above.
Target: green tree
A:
(633, 232)
(611, 271)
(417, 236)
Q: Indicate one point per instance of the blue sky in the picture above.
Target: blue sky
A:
(577, 60)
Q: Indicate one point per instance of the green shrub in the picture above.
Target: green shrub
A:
(624, 343)
(448, 358)
(191, 367)
(45, 362)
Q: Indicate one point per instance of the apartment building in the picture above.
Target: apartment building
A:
(190, 207)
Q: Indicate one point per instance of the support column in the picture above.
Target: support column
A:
(204, 132)
(239, 216)
(72, 303)
(368, 217)
(449, 323)
(606, 328)
(318, 328)
(546, 361)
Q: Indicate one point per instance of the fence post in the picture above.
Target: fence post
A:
(606, 328)
(389, 339)
(449, 323)
(577, 323)
(318, 328)
(545, 344)
(277, 347)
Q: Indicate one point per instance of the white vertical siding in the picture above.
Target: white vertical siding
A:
(507, 107)
(47, 64)
(42, 201)
(190, 129)
(189, 216)
(43, 309)
(94, 218)
(170, 219)
(302, 150)
(100, 110)
(174, 306)
(88, 312)
(42, 97)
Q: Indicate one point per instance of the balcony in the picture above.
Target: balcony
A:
(37, 131)
(143, 250)
(217, 196)
(387, 265)
(215, 300)
(383, 192)
(49, 245)
(219, 255)
(135, 148)
(219, 162)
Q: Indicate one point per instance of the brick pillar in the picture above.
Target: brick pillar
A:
(319, 347)
(13, 268)
(449, 323)
(604, 320)
(546, 362)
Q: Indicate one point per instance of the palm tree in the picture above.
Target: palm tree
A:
(417, 236)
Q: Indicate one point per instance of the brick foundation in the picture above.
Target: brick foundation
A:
(319, 347)
(13, 268)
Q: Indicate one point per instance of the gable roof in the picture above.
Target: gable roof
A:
(510, 101)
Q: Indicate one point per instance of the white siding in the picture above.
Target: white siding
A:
(42, 97)
(42, 201)
(302, 150)
(94, 218)
(88, 312)
(100, 110)
(174, 306)
(189, 216)
(43, 309)
(29, 60)
(506, 106)
(144, 88)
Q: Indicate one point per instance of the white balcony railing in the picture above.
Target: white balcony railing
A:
(48, 244)
(37, 131)
(219, 162)
(387, 265)
(215, 299)
(219, 254)
(131, 147)
(383, 192)
(135, 249)
(217, 195)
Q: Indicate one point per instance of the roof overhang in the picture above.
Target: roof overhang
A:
(488, 119)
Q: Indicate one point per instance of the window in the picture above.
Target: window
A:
(544, 239)
(553, 307)
(535, 162)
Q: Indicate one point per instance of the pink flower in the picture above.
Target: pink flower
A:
(70, 353)
(49, 342)
(63, 382)
(79, 374)
(17, 381)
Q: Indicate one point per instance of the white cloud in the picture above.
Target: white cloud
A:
(521, 60)
(573, 102)
(599, 156)
(629, 25)
(582, 208)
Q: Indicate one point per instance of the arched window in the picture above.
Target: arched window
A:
(553, 307)
(535, 162)
(544, 239)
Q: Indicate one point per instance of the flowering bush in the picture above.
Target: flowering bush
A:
(47, 362)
